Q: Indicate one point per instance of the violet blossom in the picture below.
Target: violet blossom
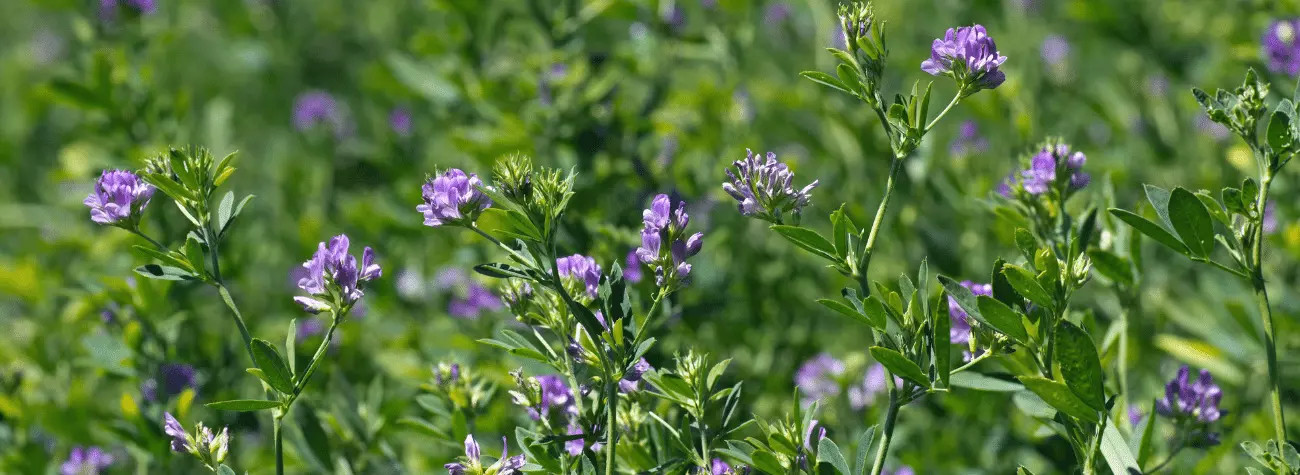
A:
(818, 378)
(452, 198)
(582, 270)
(764, 188)
(968, 55)
(664, 245)
(1281, 50)
(118, 198)
(86, 461)
(333, 272)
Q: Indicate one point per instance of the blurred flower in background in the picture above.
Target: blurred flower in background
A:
(86, 461)
(318, 108)
(1055, 49)
(818, 378)
(1281, 50)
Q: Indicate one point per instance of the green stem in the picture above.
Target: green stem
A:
(279, 441)
(1266, 314)
(1090, 461)
(955, 99)
(239, 320)
(870, 247)
(611, 433)
(887, 434)
(1122, 363)
(136, 231)
(1167, 460)
(986, 355)
(315, 361)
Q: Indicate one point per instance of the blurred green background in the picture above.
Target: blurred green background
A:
(639, 96)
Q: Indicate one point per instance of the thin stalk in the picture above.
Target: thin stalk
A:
(1265, 312)
(870, 247)
(1090, 461)
(1122, 364)
(136, 231)
(239, 319)
(1161, 465)
(315, 361)
(983, 356)
(887, 434)
(611, 410)
(955, 99)
(279, 441)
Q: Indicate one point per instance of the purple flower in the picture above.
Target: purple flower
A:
(633, 273)
(331, 270)
(765, 188)
(818, 377)
(1134, 414)
(959, 331)
(873, 383)
(1055, 49)
(118, 198)
(631, 381)
(1197, 400)
(968, 55)
(664, 246)
(181, 441)
(472, 462)
(776, 13)
(1269, 222)
(452, 198)
(574, 447)
(86, 461)
(968, 140)
(901, 470)
(176, 378)
(719, 467)
(108, 8)
(1281, 50)
(814, 428)
(581, 269)
(1042, 175)
(555, 393)
(400, 120)
(313, 108)
(477, 299)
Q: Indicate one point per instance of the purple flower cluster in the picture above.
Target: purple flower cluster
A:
(477, 299)
(633, 272)
(968, 55)
(1055, 49)
(1281, 50)
(313, 108)
(208, 446)
(720, 467)
(472, 463)
(818, 378)
(631, 381)
(873, 383)
(118, 198)
(334, 272)
(86, 461)
(664, 245)
(452, 198)
(555, 393)
(1051, 164)
(959, 330)
(175, 377)
(1198, 400)
(968, 141)
(400, 120)
(764, 188)
(108, 8)
(582, 270)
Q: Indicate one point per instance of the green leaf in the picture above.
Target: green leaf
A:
(224, 209)
(272, 364)
(1151, 229)
(828, 452)
(1002, 318)
(1146, 428)
(194, 254)
(841, 227)
(1159, 198)
(1192, 222)
(224, 470)
(864, 449)
(980, 382)
(899, 365)
(225, 223)
(1112, 266)
(1026, 284)
(291, 347)
(1115, 450)
(875, 311)
(155, 271)
(941, 347)
(1279, 129)
(848, 76)
(501, 271)
(244, 405)
(166, 257)
(765, 461)
(962, 295)
(1060, 397)
(1026, 243)
(826, 80)
(807, 239)
(853, 314)
(422, 78)
(1002, 289)
(1080, 365)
